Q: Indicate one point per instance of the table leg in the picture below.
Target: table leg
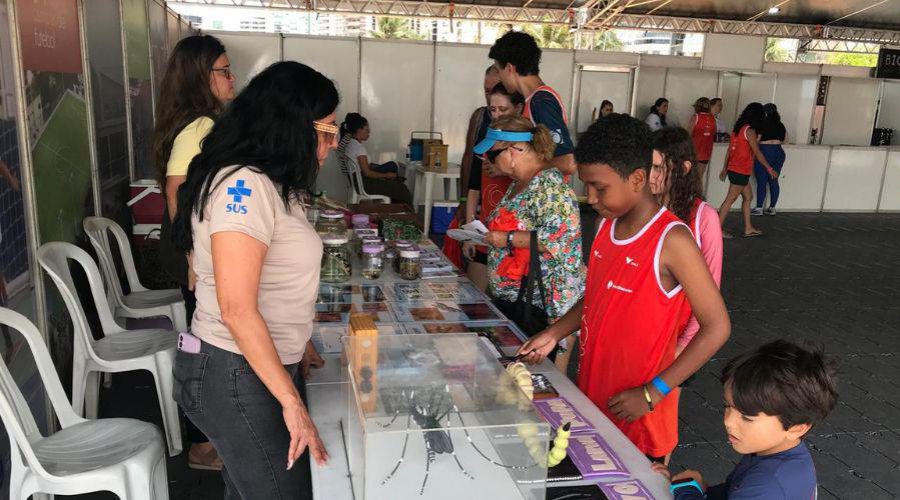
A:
(429, 201)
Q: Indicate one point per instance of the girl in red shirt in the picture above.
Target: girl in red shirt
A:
(744, 148)
(703, 134)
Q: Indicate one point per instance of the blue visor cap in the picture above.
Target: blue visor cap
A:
(494, 135)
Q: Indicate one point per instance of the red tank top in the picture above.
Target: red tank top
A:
(704, 134)
(527, 111)
(630, 326)
(740, 156)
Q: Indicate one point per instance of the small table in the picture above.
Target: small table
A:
(427, 176)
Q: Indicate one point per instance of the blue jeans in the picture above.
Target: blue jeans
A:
(774, 154)
(221, 394)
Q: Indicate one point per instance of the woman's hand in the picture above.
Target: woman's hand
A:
(488, 168)
(661, 469)
(538, 347)
(629, 405)
(496, 239)
(469, 250)
(311, 359)
(722, 175)
(773, 173)
(303, 434)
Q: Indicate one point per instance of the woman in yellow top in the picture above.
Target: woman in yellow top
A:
(197, 86)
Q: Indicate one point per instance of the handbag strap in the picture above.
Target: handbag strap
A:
(526, 288)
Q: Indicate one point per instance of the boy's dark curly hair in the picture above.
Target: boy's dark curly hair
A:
(683, 188)
(617, 140)
(798, 384)
(520, 49)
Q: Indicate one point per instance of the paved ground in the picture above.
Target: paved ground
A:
(832, 279)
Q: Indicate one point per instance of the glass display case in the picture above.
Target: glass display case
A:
(436, 416)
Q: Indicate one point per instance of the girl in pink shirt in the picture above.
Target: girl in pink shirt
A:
(678, 186)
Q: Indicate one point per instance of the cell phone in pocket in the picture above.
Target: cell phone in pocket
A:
(188, 343)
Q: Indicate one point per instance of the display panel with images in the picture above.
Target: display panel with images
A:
(440, 310)
(56, 114)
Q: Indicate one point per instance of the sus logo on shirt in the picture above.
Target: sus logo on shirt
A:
(237, 193)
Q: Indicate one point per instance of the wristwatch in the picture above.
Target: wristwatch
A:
(509, 241)
(686, 484)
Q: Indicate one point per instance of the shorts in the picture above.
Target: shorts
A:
(738, 179)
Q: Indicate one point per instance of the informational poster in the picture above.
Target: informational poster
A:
(56, 114)
(137, 46)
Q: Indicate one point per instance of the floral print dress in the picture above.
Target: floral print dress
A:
(549, 207)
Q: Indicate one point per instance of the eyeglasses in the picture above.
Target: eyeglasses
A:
(226, 72)
(493, 154)
(329, 130)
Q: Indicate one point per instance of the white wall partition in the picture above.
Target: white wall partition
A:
(850, 111)
(890, 191)
(458, 90)
(755, 88)
(558, 71)
(650, 86)
(803, 177)
(337, 59)
(249, 54)
(854, 179)
(683, 87)
(795, 96)
(597, 86)
(396, 89)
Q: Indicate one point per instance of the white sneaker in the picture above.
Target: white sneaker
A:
(769, 211)
(756, 211)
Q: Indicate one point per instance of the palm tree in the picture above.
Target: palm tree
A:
(608, 40)
(549, 36)
(395, 27)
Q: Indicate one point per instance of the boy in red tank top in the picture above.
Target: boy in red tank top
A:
(644, 265)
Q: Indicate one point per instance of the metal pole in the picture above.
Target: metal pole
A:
(127, 85)
(89, 107)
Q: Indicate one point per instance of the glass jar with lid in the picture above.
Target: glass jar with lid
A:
(336, 262)
(372, 261)
(410, 264)
(331, 222)
(400, 245)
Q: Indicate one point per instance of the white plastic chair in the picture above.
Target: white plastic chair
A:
(141, 302)
(121, 455)
(119, 350)
(357, 190)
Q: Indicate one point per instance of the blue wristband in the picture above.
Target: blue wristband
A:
(661, 386)
(689, 484)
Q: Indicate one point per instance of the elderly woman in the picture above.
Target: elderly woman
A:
(257, 259)
(537, 200)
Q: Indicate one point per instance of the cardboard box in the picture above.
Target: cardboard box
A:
(435, 155)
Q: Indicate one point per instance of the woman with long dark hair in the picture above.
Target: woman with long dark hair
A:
(772, 136)
(196, 87)
(257, 261)
(656, 119)
(738, 165)
(677, 184)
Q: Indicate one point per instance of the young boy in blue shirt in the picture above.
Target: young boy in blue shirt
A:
(773, 396)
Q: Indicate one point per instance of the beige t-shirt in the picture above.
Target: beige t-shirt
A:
(249, 202)
(187, 145)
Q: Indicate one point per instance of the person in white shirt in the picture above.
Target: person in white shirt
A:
(657, 117)
(715, 107)
(380, 179)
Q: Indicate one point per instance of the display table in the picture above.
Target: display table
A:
(328, 398)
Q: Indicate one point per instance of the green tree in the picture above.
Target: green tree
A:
(395, 27)
(775, 52)
(549, 36)
(848, 59)
(608, 40)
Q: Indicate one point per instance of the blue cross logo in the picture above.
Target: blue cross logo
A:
(239, 191)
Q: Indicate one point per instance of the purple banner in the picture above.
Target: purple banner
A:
(594, 457)
(630, 490)
(558, 411)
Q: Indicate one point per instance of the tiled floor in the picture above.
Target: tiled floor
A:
(827, 278)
